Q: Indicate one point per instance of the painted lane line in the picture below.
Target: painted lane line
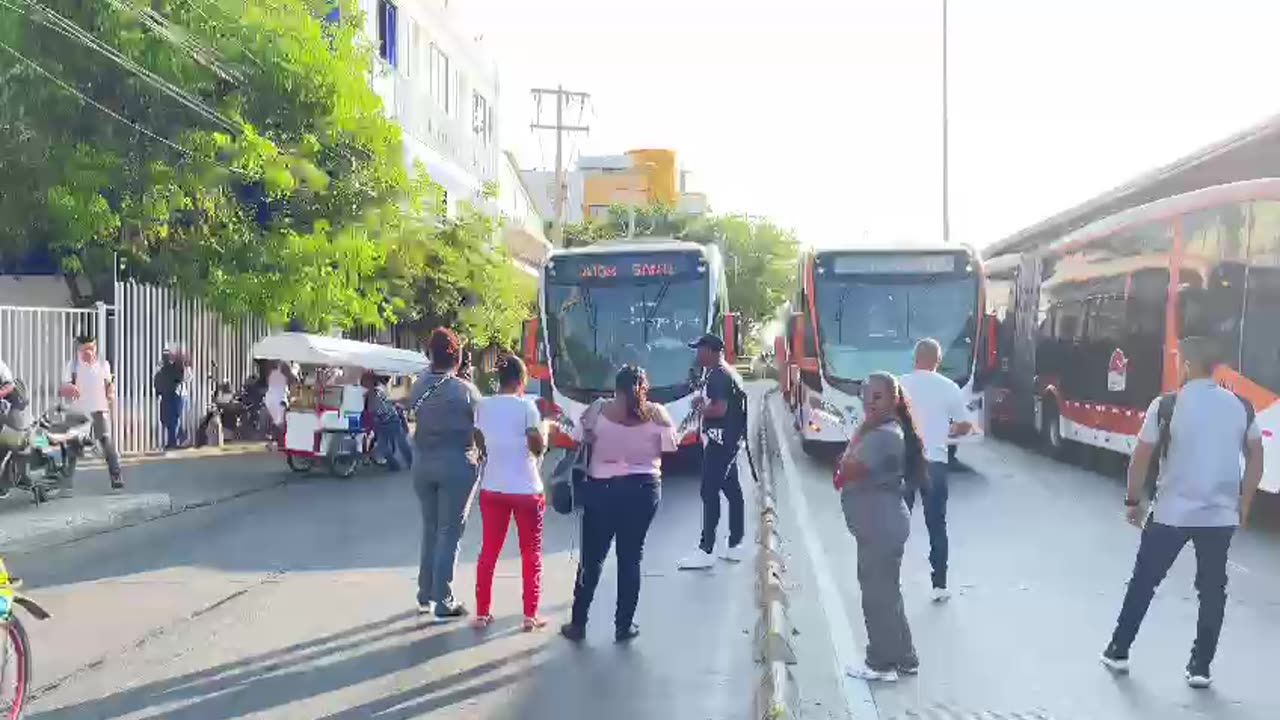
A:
(856, 693)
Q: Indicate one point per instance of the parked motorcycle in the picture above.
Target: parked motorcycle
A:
(48, 456)
(240, 416)
(15, 647)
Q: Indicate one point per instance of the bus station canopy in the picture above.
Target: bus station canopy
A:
(325, 351)
(1248, 155)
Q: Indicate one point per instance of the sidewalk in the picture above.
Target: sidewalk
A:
(154, 486)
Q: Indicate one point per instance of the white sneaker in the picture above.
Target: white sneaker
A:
(735, 553)
(1117, 665)
(426, 608)
(1199, 682)
(862, 672)
(940, 595)
(698, 561)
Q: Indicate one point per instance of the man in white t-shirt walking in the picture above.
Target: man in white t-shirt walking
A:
(91, 388)
(938, 405)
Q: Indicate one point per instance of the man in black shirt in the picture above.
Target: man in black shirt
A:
(724, 425)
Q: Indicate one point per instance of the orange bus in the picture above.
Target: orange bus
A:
(1088, 326)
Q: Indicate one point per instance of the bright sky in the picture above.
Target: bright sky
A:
(825, 114)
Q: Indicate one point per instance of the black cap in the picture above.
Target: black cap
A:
(708, 341)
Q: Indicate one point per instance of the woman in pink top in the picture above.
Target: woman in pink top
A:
(628, 436)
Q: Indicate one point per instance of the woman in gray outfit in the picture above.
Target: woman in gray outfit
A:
(444, 470)
(883, 459)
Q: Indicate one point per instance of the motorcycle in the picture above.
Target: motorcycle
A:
(241, 416)
(15, 649)
(47, 457)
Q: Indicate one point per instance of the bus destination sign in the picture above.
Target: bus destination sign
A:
(610, 267)
(894, 264)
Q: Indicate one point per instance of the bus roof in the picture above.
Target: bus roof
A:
(632, 246)
(899, 248)
(1261, 189)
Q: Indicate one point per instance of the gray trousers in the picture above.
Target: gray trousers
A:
(444, 483)
(101, 428)
(880, 526)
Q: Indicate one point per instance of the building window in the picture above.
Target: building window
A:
(440, 78)
(480, 118)
(598, 211)
(387, 16)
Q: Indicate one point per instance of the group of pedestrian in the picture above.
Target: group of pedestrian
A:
(464, 442)
(1186, 483)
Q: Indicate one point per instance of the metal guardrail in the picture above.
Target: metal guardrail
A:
(777, 697)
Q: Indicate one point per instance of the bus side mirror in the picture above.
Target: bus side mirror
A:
(531, 349)
(799, 346)
(732, 337)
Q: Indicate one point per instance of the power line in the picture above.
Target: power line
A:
(562, 97)
(60, 83)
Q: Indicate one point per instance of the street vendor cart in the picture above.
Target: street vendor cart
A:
(325, 421)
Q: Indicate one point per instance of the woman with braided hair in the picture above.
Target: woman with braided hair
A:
(628, 435)
(884, 460)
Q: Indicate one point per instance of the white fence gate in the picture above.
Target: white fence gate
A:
(38, 343)
(146, 319)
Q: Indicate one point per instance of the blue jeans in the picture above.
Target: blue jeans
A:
(620, 508)
(1159, 547)
(393, 444)
(172, 407)
(444, 482)
(935, 519)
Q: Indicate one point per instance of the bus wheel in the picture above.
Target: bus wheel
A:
(1051, 431)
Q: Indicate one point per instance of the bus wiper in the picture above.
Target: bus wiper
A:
(839, 318)
(649, 315)
(592, 313)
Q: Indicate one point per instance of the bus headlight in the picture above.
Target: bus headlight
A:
(817, 404)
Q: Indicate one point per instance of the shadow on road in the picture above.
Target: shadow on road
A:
(313, 668)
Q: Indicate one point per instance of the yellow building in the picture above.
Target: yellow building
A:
(640, 177)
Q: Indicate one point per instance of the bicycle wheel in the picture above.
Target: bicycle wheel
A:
(15, 669)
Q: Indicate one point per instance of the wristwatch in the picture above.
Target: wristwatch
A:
(1131, 502)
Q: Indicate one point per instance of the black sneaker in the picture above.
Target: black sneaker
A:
(910, 669)
(1116, 661)
(449, 611)
(576, 633)
(117, 483)
(627, 634)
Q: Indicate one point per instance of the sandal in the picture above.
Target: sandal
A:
(482, 621)
(533, 623)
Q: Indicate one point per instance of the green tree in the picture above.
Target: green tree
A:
(232, 148)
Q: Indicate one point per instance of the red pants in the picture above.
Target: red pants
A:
(496, 510)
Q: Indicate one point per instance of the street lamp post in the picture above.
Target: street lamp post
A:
(946, 185)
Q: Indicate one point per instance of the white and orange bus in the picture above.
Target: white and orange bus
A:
(856, 311)
(1096, 316)
(640, 302)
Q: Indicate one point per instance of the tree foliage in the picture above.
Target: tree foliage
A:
(232, 148)
(760, 256)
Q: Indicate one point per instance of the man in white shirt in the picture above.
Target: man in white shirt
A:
(938, 406)
(1202, 497)
(91, 389)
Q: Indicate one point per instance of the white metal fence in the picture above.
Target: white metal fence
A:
(145, 321)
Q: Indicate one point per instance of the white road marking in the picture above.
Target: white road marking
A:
(857, 694)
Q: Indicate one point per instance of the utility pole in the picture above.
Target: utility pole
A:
(946, 161)
(562, 98)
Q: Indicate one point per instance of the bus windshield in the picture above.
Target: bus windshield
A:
(594, 329)
(867, 324)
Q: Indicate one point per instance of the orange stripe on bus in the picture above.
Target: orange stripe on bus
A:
(1259, 396)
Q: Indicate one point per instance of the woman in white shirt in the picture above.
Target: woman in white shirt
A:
(512, 439)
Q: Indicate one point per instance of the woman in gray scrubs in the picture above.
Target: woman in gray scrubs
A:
(882, 460)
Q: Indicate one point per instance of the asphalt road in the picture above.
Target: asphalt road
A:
(298, 601)
(1040, 556)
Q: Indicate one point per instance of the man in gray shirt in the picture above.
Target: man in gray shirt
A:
(1202, 498)
(444, 470)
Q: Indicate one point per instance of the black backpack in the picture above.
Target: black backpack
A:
(1164, 416)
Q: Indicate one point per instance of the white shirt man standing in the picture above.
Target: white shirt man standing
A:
(90, 386)
(939, 408)
(1202, 497)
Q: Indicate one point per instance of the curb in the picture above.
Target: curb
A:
(59, 529)
(777, 697)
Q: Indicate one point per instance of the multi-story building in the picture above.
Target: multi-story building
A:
(637, 177)
(442, 88)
